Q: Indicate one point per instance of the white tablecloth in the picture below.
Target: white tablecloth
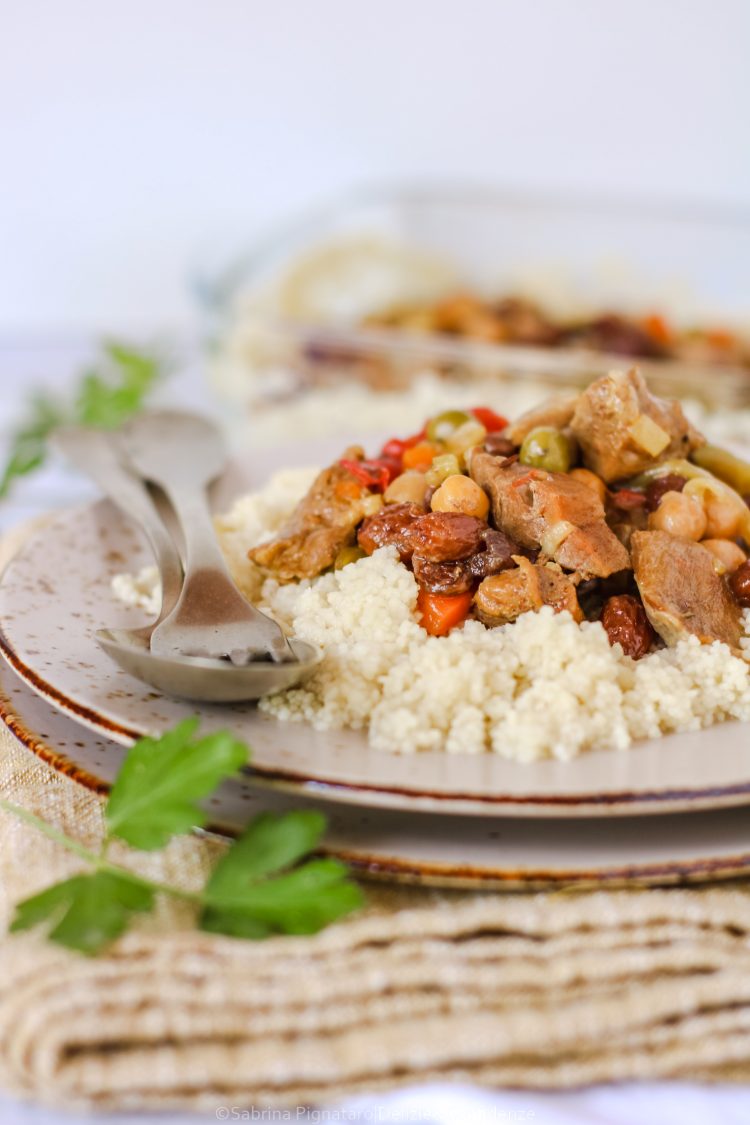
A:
(27, 363)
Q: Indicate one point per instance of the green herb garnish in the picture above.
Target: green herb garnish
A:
(265, 883)
(107, 395)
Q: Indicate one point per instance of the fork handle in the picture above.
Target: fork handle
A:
(209, 597)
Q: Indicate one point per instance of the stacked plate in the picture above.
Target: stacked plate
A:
(659, 812)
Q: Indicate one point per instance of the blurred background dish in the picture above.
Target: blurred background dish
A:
(388, 303)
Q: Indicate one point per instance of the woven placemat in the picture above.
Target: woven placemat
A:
(537, 990)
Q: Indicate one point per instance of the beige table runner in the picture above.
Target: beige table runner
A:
(535, 990)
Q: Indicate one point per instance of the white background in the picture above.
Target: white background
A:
(136, 134)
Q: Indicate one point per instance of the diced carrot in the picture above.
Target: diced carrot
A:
(420, 456)
(658, 328)
(442, 612)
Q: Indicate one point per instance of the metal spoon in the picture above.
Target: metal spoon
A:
(183, 454)
(212, 681)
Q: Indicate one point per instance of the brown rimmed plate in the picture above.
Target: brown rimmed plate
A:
(424, 848)
(56, 592)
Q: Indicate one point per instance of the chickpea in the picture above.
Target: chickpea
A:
(461, 494)
(591, 480)
(728, 553)
(680, 515)
(408, 488)
(722, 515)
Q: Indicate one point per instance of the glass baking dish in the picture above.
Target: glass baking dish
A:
(286, 317)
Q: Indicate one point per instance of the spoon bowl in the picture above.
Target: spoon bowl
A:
(202, 679)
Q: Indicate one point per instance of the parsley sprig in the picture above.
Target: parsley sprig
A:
(265, 882)
(108, 393)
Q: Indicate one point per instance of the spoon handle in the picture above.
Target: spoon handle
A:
(97, 454)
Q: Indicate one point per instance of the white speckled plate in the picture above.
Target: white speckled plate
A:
(425, 848)
(56, 592)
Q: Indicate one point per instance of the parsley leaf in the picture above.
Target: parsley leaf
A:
(29, 442)
(262, 885)
(161, 781)
(244, 902)
(85, 912)
(270, 843)
(107, 396)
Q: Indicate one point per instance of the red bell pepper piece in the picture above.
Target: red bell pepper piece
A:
(491, 421)
(375, 475)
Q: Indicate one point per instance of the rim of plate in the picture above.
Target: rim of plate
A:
(391, 868)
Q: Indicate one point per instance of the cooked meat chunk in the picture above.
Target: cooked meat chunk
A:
(553, 511)
(555, 412)
(504, 597)
(623, 429)
(681, 591)
(625, 521)
(323, 522)
(444, 536)
(386, 528)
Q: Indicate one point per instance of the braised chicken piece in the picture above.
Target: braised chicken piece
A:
(681, 591)
(323, 522)
(503, 597)
(555, 412)
(623, 429)
(551, 511)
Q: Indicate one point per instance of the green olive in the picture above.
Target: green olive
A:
(348, 555)
(547, 448)
(443, 425)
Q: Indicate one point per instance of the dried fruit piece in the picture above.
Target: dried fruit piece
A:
(443, 536)
(625, 623)
(387, 529)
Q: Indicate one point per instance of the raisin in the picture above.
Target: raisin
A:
(497, 554)
(671, 482)
(443, 577)
(443, 536)
(499, 446)
(624, 620)
(388, 527)
(739, 584)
